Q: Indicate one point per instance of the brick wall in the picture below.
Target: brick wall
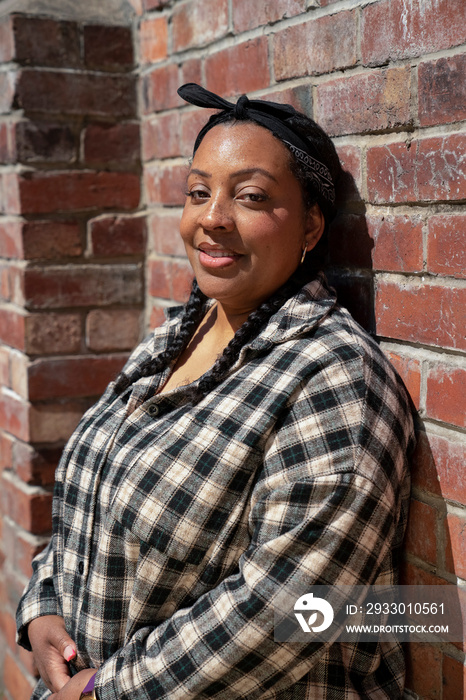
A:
(386, 78)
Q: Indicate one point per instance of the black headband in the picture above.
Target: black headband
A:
(273, 116)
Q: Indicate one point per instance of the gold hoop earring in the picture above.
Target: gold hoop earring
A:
(303, 255)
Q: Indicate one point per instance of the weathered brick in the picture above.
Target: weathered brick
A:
(53, 191)
(7, 91)
(421, 313)
(442, 90)
(455, 553)
(392, 30)
(11, 245)
(116, 236)
(421, 533)
(454, 679)
(199, 23)
(9, 193)
(14, 417)
(115, 329)
(428, 169)
(445, 394)
(300, 97)
(155, 4)
(161, 137)
(350, 159)
(444, 460)
(15, 682)
(7, 46)
(191, 124)
(157, 316)
(446, 252)
(54, 422)
(365, 102)
(170, 280)
(11, 327)
(21, 548)
(7, 142)
(28, 507)
(164, 228)
(46, 42)
(191, 71)
(5, 352)
(247, 15)
(409, 370)
(165, 185)
(53, 333)
(77, 93)
(36, 467)
(72, 376)
(112, 145)
(86, 285)
(18, 373)
(159, 89)
(153, 39)
(108, 48)
(424, 670)
(397, 241)
(321, 45)
(38, 142)
(51, 240)
(424, 472)
(238, 69)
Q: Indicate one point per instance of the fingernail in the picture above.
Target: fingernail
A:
(69, 653)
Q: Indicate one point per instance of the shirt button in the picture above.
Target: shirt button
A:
(81, 567)
(153, 409)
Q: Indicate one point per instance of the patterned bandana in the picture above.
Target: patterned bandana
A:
(271, 115)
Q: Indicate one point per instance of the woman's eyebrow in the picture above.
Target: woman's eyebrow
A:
(236, 173)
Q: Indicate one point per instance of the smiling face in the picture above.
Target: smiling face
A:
(244, 224)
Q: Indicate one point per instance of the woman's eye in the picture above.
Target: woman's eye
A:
(253, 196)
(197, 195)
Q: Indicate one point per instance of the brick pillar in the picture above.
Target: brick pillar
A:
(71, 265)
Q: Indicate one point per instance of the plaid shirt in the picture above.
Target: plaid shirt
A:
(175, 528)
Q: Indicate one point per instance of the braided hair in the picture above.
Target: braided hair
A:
(195, 307)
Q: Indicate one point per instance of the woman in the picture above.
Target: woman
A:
(255, 442)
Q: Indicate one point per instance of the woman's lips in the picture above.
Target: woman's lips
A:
(215, 258)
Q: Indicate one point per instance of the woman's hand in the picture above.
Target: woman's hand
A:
(52, 648)
(73, 689)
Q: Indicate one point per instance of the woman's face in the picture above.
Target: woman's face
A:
(244, 224)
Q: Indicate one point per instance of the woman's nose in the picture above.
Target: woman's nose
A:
(216, 214)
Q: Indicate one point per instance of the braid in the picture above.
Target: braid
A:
(249, 330)
(192, 315)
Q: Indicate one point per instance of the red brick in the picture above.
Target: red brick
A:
(191, 71)
(35, 467)
(51, 240)
(321, 45)
(21, 549)
(7, 46)
(191, 124)
(165, 185)
(170, 280)
(430, 169)
(43, 192)
(155, 4)
(54, 422)
(10, 239)
(115, 329)
(449, 458)
(27, 506)
(442, 91)
(165, 236)
(424, 466)
(238, 69)
(16, 283)
(365, 102)
(7, 91)
(397, 241)
(157, 316)
(53, 333)
(46, 42)
(11, 327)
(38, 142)
(14, 417)
(71, 377)
(15, 682)
(424, 670)
(412, 575)
(446, 252)
(446, 394)
(421, 313)
(108, 48)
(350, 159)
(18, 373)
(199, 23)
(153, 39)
(5, 353)
(86, 285)
(7, 143)
(247, 15)
(392, 30)
(161, 137)
(9, 193)
(116, 236)
(420, 538)
(409, 370)
(454, 679)
(159, 89)
(112, 145)
(77, 93)
(455, 554)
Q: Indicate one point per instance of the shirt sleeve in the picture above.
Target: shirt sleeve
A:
(39, 597)
(326, 509)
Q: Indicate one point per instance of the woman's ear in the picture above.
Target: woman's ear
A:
(315, 226)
